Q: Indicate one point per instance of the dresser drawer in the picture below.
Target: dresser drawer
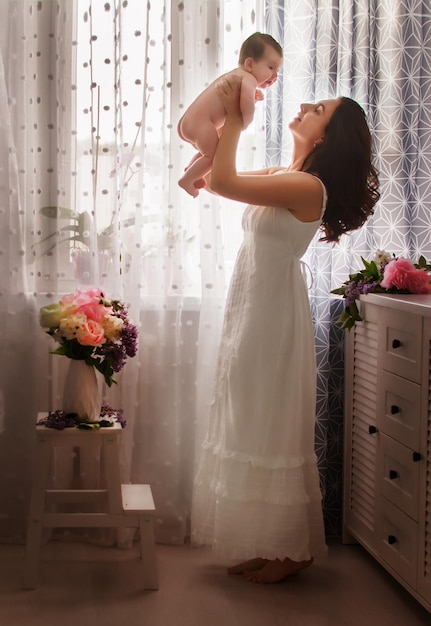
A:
(398, 475)
(400, 344)
(396, 540)
(398, 409)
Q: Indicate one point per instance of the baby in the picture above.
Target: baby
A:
(260, 59)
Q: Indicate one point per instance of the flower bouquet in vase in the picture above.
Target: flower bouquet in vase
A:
(97, 336)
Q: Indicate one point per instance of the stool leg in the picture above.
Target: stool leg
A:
(148, 552)
(35, 518)
(112, 474)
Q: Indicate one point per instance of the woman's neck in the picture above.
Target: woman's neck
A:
(296, 165)
(299, 157)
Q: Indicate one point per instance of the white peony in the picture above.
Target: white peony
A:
(112, 326)
(382, 258)
(69, 327)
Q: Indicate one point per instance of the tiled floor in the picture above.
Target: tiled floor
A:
(90, 586)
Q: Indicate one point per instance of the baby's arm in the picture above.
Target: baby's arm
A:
(247, 100)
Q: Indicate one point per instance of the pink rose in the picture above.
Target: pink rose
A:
(402, 274)
(87, 303)
(90, 334)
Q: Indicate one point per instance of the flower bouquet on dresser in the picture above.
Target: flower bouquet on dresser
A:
(385, 273)
(95, 333)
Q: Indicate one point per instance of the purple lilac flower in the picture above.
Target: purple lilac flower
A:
(354, 290)
(129, 337)
(115, 354)
(369, 287)
(108, 411)
(120, 360)
(59, 420)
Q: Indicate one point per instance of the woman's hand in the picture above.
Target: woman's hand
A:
(229, 90)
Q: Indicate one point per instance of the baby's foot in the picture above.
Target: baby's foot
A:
(247, 566)
(276, 571)
(189, 187)
(200, 183)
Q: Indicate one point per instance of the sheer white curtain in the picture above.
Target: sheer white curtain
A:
(181, 276)
(90, 97)
(35, 79)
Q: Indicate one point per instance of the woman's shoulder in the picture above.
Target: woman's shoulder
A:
(306, 192)
(297, 176)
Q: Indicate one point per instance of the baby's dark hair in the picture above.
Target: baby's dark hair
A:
(254, 47)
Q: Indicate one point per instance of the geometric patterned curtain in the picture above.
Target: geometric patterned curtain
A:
(379, 53)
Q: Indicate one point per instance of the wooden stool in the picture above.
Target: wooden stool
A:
(125, 505)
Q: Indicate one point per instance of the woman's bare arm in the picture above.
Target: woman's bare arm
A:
(298, 191)
(264, 172)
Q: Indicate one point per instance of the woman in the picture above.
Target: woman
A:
(257, 496)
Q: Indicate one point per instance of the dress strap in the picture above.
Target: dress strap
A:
(325, 196)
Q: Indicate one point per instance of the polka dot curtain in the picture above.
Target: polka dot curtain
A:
(93, 92)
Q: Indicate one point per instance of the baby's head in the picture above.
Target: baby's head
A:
(262, 56)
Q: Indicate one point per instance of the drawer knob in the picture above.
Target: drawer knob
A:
(393, 474)
(396, 343)
(395, 409)
(372, 430)
(417, 456)
(392, 539)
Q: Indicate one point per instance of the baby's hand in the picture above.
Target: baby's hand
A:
(229, 89)
(258, 96)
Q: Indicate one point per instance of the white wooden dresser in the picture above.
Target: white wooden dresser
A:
(387, 448)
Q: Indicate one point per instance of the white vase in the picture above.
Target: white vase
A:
(82, 391)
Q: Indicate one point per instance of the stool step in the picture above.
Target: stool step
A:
(75, 495)
(137, 499)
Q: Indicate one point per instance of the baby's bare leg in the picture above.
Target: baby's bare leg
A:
(195, 158)
(206, 142)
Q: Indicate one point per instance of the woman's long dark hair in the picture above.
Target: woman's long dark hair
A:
(343, 163)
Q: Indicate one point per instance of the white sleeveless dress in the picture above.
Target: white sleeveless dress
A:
(256, 491)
